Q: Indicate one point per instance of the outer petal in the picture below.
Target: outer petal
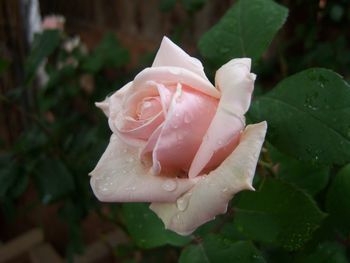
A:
(236, 83)
(172, 75)
(120, 177)
(169, 54)
(210, 196)
(114, 102)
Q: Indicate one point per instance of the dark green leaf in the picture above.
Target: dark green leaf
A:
(217, 249)
(147, 229)
(309, 177)
(308, 116)
(53, 180)
(193, 5)
(8, 175)
(44, 44)
(278, 213)
(246, 30)
(325, 253)
(4, 64)
(338, 200)
(167, 5)
(109, 53)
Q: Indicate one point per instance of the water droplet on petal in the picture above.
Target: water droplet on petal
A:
(169, 185)
(182, 202)
(177, 114)
(175, 125)
(130, 188)
(220, 142)
(187, 117)
(180, 136)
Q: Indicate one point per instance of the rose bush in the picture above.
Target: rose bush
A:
(178, 141)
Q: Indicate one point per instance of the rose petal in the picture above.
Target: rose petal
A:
(210, 196)
(236, 83)
(174, 75)
(114, 102)
(169, 54)
(182, 130)
(120, 177)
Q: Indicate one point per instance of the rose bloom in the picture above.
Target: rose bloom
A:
(178, 141)
(53, 22)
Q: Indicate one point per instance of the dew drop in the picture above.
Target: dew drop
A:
(174, 71)
(187, 117)
(224, 190)
(180, 136)
(177, 114)
(130, 188)
(175, 125)
(220, 142)
(169, 185)
(182, 202)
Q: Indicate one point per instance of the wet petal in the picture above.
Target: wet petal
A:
(210, 196)
(119, 176)
(169, 54)
(236, 84)
(188, 118)
(173, 75)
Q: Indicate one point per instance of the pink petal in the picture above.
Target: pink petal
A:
(172, 76)
(210, 196)
(114, 102)
(236, 84)
(120, 177)
(169, 54)
(188, 118)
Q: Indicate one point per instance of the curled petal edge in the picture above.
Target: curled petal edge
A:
(211, 194)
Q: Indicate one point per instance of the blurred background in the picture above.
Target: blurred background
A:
(51, 134)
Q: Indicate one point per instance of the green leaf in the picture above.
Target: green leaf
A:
(338, 200)
(4, 65)
(8, 174)
(278, 213)
(147, 229)
(308, 115)
(217, 249)
(310, 177)
(109, 53)
(53, 180)
(167, 5)
(325, 253)
(43, 46)
(193, 5)
(246, 30)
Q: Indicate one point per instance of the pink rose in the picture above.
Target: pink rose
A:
(53, 22)
(178, 141)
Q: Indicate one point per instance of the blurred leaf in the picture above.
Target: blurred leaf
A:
(325, 253)
(166, 5)
(53, 180)
(4, 64)
(246, 30)
(309, 177)
(338, 200)
(109, 53)
(308, 116)
(8, 175)
(278, 213)
(193, 5)
(217, 249)
(72, 214)
(147, 229)
(43, 46)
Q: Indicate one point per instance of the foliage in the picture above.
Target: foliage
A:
(300, 211)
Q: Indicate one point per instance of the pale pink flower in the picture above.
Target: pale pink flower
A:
(53, 22)
(178, 141)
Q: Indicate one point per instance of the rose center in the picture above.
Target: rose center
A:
(148, 107)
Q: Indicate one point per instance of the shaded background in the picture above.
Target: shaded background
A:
(315, 34)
